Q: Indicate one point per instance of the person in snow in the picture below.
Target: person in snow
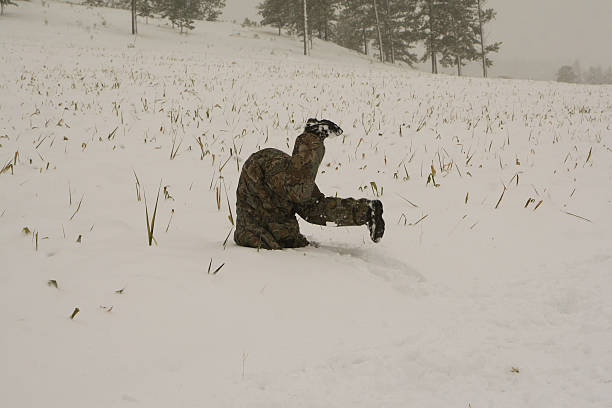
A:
(274, 186)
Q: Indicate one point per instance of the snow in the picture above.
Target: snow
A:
(466, 301)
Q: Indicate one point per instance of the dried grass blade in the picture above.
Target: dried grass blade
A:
(577, 216)
(500, 198)
(218, 269)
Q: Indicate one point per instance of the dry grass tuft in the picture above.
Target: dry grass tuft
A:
(151, 221)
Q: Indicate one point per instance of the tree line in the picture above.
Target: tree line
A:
(450, 32)
(593, 75)
(181, 13)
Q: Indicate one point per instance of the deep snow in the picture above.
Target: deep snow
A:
(461, 304)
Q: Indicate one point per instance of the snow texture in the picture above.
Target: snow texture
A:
(491, 287)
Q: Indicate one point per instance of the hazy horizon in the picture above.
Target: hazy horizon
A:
(535, 44)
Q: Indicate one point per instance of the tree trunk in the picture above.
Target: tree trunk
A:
(482, 45)
(434, 63)
(132, 17)
(279, 28)
(458, 58)
(380, 44)
(326, 26)
(365, 41)
(134, 28)
(390, 33)
(310, 30)
(305, 27)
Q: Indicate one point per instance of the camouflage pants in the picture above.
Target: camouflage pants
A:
(285, 233)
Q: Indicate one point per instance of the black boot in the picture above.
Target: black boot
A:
(376, 224)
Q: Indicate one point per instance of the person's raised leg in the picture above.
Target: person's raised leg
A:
(345, 212)
(338, 211)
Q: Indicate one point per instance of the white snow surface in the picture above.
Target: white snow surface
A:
(468, 301)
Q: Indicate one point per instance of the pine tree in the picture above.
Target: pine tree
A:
(451, 30)
(293, 14)
(399, 22)
(319, 17)
(434, 19)
(210, 10)
(145, 9)
(160, 7)
(354, 28)
(274, 12)
(403, 22)
(577, 70)
(460, 39)
(322, 17)
(345, 31)
(181, 13)
(566, 74)
(484, 17)
(594, 76)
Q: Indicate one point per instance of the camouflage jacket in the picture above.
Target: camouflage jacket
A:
(273, 184)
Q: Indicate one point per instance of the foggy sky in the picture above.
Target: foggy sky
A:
(538, 35)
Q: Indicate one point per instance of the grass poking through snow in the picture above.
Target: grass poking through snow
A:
(151, 221)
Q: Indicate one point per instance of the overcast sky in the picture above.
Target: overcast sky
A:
(538, 35)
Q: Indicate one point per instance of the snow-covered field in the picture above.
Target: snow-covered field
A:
(491, 287)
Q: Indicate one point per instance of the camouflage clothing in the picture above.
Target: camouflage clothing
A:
(274, 186)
